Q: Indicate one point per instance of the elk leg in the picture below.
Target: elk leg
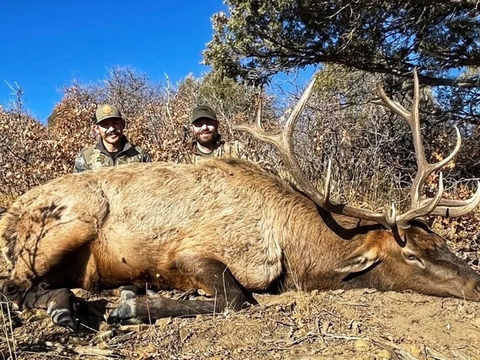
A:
(151, 307)
(215, 279)
(209, 274)
(52, 259)
(57, 302)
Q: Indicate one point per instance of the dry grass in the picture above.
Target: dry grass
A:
(358, 324)
(9, 347)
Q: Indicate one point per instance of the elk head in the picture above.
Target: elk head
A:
(406, 254)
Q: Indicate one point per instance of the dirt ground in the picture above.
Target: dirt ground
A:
(338, 325)
(360, 324)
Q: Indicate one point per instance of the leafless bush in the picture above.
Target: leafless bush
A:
(157, 119)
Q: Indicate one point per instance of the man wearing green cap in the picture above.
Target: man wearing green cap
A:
(207, 141)
(112, 147)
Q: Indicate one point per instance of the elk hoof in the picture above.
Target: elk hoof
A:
(127, 294)
(125, 313)
(63, 317)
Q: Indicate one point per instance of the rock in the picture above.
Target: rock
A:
(184, 334)
(361, 345)
(325, 327)
(384, 355)
(139, 327)
(163, 323)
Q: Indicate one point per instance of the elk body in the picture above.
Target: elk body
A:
(224, 226)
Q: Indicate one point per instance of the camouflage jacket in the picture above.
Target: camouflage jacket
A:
(222, 149)
(96, 156)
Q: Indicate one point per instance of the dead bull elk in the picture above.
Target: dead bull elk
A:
(225, 226)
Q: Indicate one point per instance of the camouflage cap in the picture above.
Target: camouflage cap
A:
(106, 112)
(203, 111)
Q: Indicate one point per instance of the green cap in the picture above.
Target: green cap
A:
(106, 112)
(203, 111)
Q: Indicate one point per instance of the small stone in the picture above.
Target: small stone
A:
(183, 333)
(361, 345)
(139, 327)
(384, 355)
(163, 323)
(150, 348)
(354, 326)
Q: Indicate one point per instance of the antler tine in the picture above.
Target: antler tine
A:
(259, 112)
(328, 177)
(283, 141)
(257, 131)
(294, 116)
(434, 206)
(425, 209)
(424, 169)
(392, 105)
(454, 208)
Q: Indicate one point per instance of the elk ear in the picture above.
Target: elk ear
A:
(361, 259)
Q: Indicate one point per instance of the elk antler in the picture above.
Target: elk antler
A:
(436, 205)
(282, 140)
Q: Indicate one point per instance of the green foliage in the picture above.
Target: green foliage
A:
(440, 38)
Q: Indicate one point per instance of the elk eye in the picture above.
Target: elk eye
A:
(411, 257)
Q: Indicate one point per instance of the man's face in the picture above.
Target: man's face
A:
(205, 131)
(110, 130)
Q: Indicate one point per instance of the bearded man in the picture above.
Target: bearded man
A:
(112, 147)
(206, 139)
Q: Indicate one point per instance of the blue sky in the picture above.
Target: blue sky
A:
(46, 44)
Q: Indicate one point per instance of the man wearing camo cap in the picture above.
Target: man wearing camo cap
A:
(112, 147)
(207, 142)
